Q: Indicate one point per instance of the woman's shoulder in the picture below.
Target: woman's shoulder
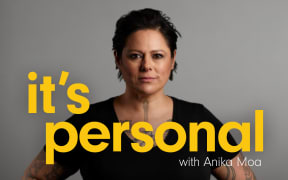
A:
(179, 102)
(193, 110)
(102, 104)
(97, 110)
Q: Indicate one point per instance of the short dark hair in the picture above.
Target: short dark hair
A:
(145, 19)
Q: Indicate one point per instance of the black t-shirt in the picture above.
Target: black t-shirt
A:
(129, 164)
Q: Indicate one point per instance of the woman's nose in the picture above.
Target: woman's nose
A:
(146, 64)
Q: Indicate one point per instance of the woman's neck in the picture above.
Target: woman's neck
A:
(137, 100)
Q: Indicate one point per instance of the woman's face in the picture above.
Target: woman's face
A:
(146, 61)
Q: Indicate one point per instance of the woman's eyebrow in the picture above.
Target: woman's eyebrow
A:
(153, 51)
(133, 50)
(158, 50)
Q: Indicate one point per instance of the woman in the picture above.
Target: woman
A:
(144, 48)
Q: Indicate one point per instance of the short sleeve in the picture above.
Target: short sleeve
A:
(61, 137)
(219, 154)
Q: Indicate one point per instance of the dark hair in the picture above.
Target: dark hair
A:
(144, 19)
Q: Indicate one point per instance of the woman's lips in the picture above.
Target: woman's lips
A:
(147, 79)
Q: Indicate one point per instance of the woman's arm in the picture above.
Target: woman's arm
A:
(234, 172)
(38, 170)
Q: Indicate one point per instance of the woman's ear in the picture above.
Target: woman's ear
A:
(117, 59)
(173, 60)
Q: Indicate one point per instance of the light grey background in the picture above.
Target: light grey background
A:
(232, 58)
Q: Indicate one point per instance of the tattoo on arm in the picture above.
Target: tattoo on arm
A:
(39, 170)
(230, 173)
(55, 172)
(249, 175)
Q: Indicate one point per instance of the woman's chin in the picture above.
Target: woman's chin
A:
(148, 90)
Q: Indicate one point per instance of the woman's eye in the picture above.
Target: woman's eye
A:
(157, 56)
(135, 56)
